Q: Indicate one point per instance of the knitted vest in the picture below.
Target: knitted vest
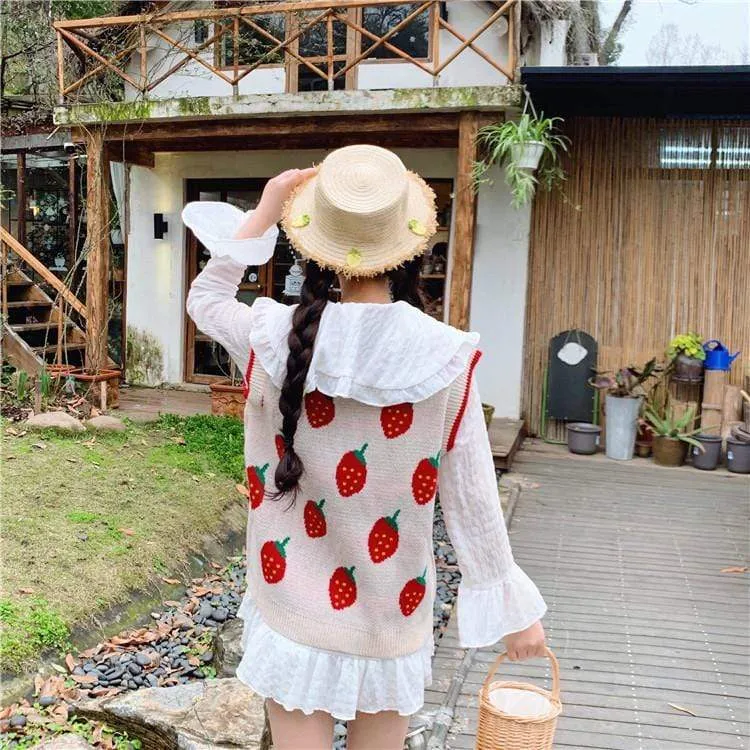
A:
(350, 567)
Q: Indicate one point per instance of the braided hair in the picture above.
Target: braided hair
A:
(314, 294)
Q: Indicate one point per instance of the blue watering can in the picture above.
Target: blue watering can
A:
(718, 356)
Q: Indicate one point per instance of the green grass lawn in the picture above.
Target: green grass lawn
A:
(87, 518)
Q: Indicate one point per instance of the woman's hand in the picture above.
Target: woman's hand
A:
(275, 194)
(526, 644)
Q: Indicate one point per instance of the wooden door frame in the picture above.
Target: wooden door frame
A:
(193, 187)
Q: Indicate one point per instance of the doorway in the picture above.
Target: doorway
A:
(205, 360)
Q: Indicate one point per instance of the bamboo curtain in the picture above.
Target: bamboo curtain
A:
(660, 245)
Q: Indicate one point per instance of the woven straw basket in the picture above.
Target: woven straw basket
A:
(517, 715)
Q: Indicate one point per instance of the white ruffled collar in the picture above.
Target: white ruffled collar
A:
(378, 354)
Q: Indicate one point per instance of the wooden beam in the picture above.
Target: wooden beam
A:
(465, 221)
(97, 250)
(21, 196)
(210, 14)
(277, 127)
(131, 153)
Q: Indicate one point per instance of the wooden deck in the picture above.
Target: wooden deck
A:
(628, 557)
(146, 404)
(506, 436)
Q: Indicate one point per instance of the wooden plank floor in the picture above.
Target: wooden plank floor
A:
(628, 557)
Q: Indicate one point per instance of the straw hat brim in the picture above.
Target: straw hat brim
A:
(396, 244)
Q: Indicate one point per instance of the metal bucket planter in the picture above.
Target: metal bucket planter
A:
(527, 155)
(738, 456)
(669, 451)
(622, 423)
(489, 411)
(709, 458)
(583, 438)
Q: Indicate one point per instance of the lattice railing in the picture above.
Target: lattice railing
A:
(318, 39)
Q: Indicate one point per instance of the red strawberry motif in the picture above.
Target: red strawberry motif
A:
(256, 484)
(342, 588)
(280, 447)
(412, 594)
(351, 473)
(319, 408)
(273, 560)
(396, 420)
(383, 539)
(425, 479)
(315, 520)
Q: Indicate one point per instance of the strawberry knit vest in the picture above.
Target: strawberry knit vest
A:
(350, 567)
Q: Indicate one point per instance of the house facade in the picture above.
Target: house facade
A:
(217, 99)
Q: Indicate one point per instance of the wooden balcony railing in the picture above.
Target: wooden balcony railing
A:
(314, 40)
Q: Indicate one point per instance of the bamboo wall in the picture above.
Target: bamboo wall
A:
(660, 245)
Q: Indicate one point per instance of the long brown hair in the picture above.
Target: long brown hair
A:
(405, 286)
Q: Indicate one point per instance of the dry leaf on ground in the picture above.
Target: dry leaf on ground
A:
(681, 708)
(735, 569)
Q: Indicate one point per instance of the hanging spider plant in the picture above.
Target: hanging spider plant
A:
(527, 149)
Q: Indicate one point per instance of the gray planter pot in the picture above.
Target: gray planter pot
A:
(709, 459)
(738, 456)
(583, 438)
(622, 424)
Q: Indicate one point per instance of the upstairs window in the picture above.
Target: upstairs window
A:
(253, 45)
(412, 39)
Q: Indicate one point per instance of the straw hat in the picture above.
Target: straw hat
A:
(362, 213)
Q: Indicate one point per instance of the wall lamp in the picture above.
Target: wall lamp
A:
(160, 226)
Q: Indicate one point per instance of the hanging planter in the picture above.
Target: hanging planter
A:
(527, 155)
(528, 150)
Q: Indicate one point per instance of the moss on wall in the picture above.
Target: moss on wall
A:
(144, 361)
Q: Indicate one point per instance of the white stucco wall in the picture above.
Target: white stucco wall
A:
(156, 268)
(468, 69)
(498, 295)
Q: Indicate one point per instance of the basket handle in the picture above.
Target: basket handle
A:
(555, 671)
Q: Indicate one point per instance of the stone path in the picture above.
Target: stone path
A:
(628, 557)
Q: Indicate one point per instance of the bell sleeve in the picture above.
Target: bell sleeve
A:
(212, 299)
(495, 597)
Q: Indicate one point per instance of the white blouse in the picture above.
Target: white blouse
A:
(495, 597)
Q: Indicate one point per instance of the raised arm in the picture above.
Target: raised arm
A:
(496, 599)
(235, 240)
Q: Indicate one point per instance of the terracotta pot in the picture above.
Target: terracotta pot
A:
(227, 400)
(688, 369)
(112, 377)
(643, 448)
(60, 371)
(669, 451)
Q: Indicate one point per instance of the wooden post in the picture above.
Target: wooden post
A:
(21, 196)
(72, 212)
(97, 250)
(465, 220)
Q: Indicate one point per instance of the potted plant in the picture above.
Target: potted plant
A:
(670, 437)
(687, 356)
(522, 148)
(625, 391)
(228, 395)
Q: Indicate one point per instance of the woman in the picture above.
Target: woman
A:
(355, 412)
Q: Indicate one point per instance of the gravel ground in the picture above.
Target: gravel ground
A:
(176, 648)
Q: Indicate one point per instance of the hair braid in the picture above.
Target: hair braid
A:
(305, 323)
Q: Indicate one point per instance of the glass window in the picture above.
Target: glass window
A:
(252, 44)
(413, 39)
(314, 42)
